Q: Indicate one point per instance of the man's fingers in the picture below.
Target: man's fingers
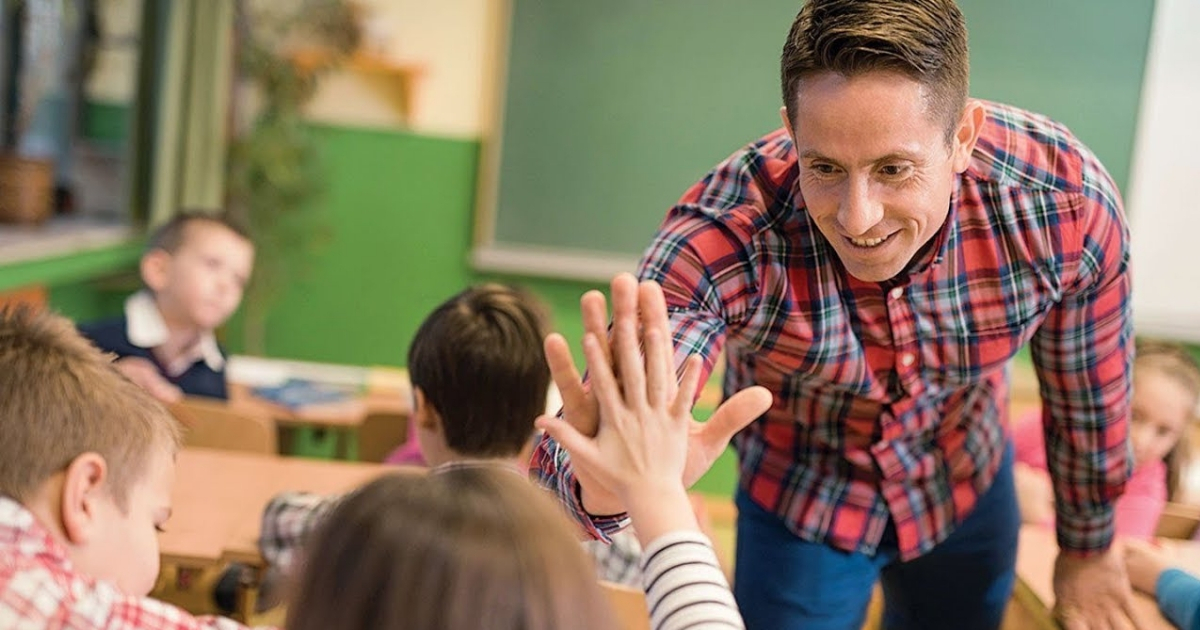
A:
(689, 382)
(1070, 619)
(734, 414)
(605, 387)
(577, 405)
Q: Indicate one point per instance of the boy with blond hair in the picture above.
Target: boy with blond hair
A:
(87, 461)
(195, 270)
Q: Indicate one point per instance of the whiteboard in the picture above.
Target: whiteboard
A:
(1164, 186)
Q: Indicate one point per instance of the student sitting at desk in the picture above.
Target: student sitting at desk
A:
(479, 381)
(87, 463)
(479, 540)
(1165, 394)
(1176, 591)
(195, 268)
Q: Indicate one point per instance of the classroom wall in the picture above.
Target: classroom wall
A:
(401, 209)
(447, 41)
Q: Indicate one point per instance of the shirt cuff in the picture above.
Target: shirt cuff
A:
(1084, 535)
(599, 527)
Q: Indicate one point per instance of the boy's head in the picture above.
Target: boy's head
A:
(479, 375)
(198, 265)
(89, 453)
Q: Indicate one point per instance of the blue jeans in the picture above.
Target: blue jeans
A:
(783, 582)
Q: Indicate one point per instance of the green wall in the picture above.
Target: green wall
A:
(401, 207)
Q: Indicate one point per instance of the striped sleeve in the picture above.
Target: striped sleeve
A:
(684, 585)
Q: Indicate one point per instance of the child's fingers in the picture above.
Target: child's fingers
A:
(660, 375)
(627, 357)
(585, 456)
(653, 309)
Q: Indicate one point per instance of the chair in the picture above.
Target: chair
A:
(1178, 521)
(629, 604)
(211, 423)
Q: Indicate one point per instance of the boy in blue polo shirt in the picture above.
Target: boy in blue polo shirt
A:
(195, 269)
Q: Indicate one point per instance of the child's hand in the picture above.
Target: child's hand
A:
(1144, 563)
(646, 445)
(143, 374)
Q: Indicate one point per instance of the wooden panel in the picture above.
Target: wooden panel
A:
(33, 295)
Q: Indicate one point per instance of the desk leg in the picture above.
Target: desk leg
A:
(347, 445)
(247, 593)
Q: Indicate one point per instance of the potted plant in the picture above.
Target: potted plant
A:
(32, 30)
(275, 175)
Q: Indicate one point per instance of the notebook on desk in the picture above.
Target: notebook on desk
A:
(297, 393)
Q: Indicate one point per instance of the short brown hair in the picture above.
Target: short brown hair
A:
(60, 397)
(1174, 362)
(476, 547)
(478, 360)
(172, 234)
(925, 40)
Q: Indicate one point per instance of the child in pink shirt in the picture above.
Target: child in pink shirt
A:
(1166, 389)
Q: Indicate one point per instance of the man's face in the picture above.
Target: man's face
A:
(876, 172)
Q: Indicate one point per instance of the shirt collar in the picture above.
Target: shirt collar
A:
(20, 531)
(146, 328)
(478, 463)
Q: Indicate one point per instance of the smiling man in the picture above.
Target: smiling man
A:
(875, 263)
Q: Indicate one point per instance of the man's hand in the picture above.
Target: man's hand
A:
(638, 310)
(143, 374)
(1093, 593)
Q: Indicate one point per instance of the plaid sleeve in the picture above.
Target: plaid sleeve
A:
(619, 562)
(287, 521)
(1083, 355)
(551, 468)
(693, 305)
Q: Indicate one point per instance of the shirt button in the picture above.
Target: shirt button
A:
(907, 359)
(896, 293)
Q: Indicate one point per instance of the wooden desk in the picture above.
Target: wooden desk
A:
(219, 498)
(1035, 576)
(347, 417)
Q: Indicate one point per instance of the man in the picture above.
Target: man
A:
(875, 264)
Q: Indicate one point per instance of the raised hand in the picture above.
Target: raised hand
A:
(631, 426)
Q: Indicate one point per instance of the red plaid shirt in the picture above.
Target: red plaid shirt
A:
(40, 589)
(890, 399)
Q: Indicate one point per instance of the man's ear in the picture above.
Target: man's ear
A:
(155, 268)
(787, 122)
(967, 134)
(82, 493)
(424, 414)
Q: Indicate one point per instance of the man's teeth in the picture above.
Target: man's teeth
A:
(868, 242)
